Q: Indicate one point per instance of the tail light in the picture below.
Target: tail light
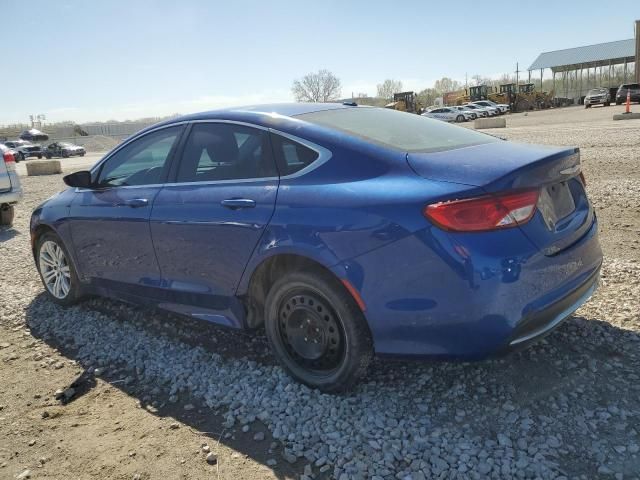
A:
(9, 160)
(491, 212)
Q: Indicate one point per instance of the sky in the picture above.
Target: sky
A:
(98, 60)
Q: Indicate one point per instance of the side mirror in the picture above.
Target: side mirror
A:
(81, 179)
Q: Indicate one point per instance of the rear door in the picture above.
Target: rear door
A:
(206, 224)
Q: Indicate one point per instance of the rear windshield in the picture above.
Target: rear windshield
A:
(399, 130)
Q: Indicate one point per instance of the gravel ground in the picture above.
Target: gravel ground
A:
(175, 398)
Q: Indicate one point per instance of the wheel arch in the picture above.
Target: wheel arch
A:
(259, 280)
(37, 232)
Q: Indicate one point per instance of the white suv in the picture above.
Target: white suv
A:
(10, 188)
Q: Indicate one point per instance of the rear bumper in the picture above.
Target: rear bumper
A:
(539, 324)
(470, 297)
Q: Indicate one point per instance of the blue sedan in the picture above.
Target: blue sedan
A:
(345, 231)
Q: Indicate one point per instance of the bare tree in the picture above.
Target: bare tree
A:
(428, 96)
(320, 86)
(445, 84)
(387, 88)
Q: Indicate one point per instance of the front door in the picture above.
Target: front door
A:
(207, 223)
(110, 227)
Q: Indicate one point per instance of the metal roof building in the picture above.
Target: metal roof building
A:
(582, 68)
(591, 56)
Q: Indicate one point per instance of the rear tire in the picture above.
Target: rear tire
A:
(20, 157)
(317, 331)
(57, 271)
(7, 213)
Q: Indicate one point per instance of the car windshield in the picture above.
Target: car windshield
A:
(65, 144)
(596, 91)
(398, 130)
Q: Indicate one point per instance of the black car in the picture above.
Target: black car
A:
(633, 88)
(64, 150)
(24, 149)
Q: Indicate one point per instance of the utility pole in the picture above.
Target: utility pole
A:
(517, 75)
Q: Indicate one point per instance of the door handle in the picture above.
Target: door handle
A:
(136, 202)
(237, 203)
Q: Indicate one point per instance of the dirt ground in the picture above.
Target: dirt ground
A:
(114, 427)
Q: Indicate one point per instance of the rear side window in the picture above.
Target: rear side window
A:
(292, 156)
(225, 151)
(399, 130)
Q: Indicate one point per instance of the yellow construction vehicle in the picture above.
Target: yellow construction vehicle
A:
(405, 102)
(524, 97)
(472, 94)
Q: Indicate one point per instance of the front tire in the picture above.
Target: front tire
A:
(57, 272)
(460, 118)
(7, 213)
(317, 331)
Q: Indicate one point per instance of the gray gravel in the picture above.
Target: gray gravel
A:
(566, 408)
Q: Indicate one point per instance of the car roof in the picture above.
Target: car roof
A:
(267, 115)
(252, 111)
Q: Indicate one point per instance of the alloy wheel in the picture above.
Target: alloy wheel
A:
(54, 268)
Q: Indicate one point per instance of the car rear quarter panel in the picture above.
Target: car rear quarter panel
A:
(360, 200)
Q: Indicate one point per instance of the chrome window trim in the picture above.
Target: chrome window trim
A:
(324, 155)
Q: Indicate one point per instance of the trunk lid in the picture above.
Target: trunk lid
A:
(564, 213)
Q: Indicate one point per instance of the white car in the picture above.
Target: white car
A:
(467, 112)
(493, 111)
(502, 107)
(446, 114)
(481, 111)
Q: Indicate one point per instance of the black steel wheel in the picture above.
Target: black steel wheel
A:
(317, 331)
(310, 331)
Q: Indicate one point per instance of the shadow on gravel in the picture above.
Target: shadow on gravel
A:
(7, 233)
(557, 404)
(202, 420)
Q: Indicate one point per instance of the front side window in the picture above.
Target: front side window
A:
(141, 162)
(225, 151)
